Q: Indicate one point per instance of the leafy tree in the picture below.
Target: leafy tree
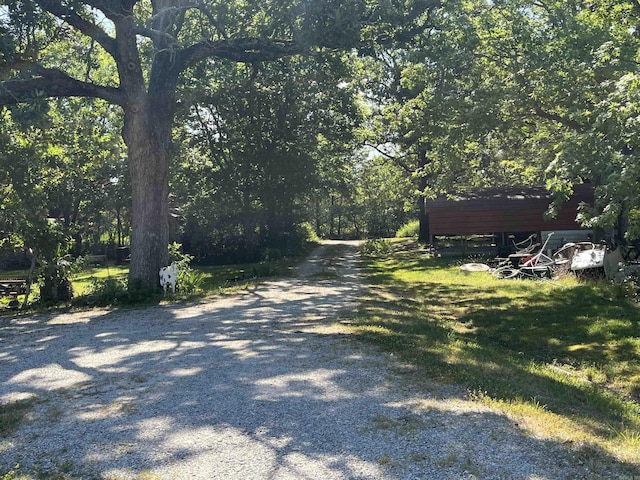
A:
(57, 177)
(566, 72)
(422, 103)
(517, 92)
(254, 155)
(155, 47)
(380, 198)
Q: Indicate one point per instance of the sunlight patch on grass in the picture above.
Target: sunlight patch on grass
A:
(83, 281)
(570, 345)
(533, 417)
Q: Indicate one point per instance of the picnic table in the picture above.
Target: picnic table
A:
(13, 285)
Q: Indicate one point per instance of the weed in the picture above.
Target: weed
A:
(11, 414)
(13, 474)
(375, 247)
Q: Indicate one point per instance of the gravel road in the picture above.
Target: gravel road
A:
(257, 385)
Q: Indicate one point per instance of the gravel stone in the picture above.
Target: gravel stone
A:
(258, 385)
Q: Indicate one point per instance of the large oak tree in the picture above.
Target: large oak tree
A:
(154, 46)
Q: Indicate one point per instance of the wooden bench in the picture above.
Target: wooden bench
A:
(12, 286)
(95, 259)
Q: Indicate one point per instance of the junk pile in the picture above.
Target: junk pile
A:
(584, 259)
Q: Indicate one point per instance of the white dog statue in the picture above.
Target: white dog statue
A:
(169, 276)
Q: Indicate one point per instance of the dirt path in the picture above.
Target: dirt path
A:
(253, 386)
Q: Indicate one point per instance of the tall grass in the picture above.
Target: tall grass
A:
(564, 352)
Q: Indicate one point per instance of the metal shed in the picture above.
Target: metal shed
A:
(504, 212)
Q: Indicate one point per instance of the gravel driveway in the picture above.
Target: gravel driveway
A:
(257, 385)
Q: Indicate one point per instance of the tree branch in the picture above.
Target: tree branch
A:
(398, 160)
(113, 9)
(54, 83)
(84, 26)
(245, 50)
(158, 37)
(572, 124)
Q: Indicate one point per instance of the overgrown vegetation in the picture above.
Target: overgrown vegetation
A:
(561, 356)
(376, 246)
(409, 230)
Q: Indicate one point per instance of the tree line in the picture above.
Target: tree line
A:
(232, 127)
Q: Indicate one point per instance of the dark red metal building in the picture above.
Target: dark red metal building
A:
(504, 212)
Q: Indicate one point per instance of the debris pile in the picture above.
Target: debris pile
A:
(584, 259)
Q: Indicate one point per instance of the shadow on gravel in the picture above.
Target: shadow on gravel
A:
(244, 387)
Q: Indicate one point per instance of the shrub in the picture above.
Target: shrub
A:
(115, 291)
(189, 281)
(108, 291)
(56, 284)
(375, 247)
(409, 230)
(306, 233)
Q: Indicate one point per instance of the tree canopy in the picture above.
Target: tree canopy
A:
(245, 116)
(152, 49)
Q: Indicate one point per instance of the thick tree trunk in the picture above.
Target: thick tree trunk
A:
(147, 133)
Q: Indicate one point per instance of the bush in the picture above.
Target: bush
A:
(56, 284)
(375, 247)
(409, 230)
(306, 233)
(108, 291)
(115, 291)
(189, 280)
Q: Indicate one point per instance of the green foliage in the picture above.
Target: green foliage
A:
(306, 234)
(55, 267)
(56, 283)
(113, 291)
(409, 230)
(189, 280)
(13, 474)
(633, 231)
(294, 117)
(106, 292)
(375, 247)
(629, 287)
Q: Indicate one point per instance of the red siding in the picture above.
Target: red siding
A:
(502, 212)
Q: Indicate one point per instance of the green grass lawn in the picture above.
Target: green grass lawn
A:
(83, 281)
(561, 356)
(214, 279)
